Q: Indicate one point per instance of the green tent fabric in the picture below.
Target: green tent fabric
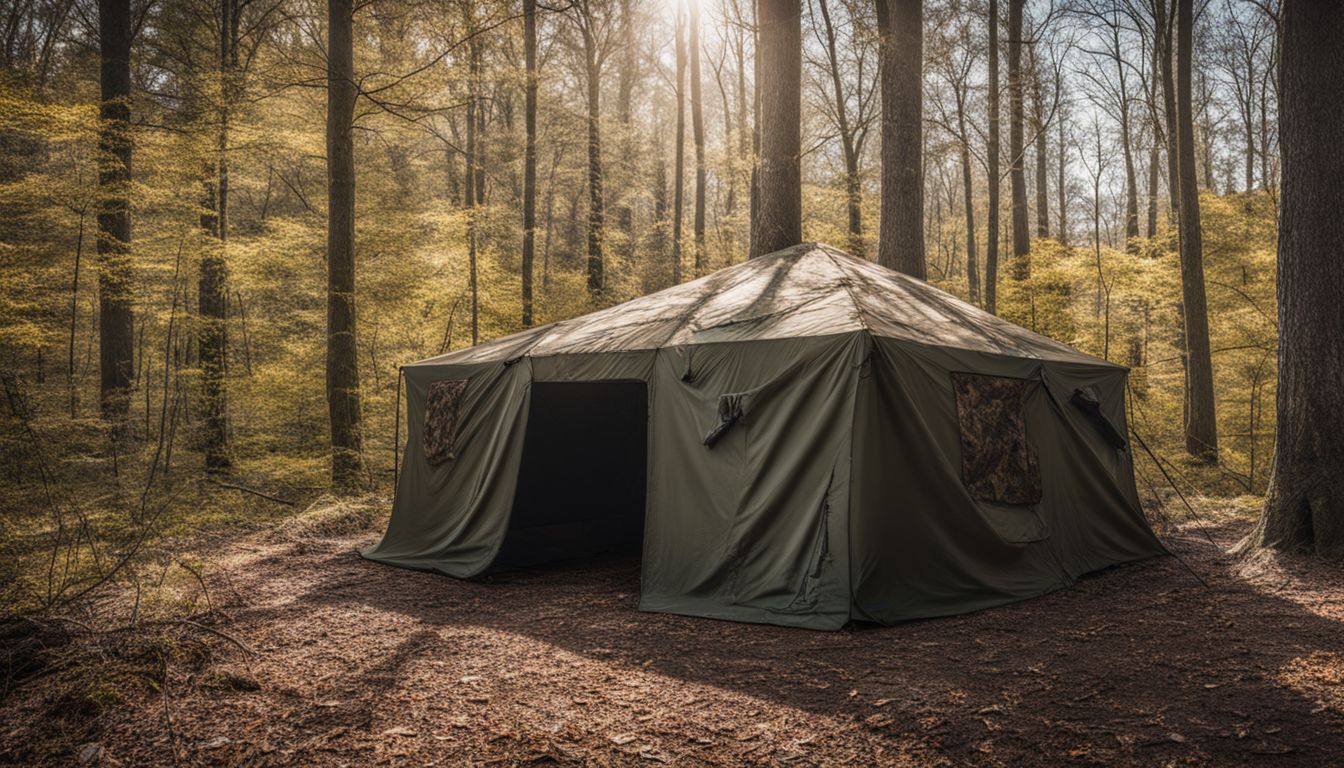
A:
(805, 439)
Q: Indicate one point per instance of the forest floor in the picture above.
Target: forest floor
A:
(357, 663)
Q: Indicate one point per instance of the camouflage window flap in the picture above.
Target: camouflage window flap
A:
(997, 464)
(442, 409)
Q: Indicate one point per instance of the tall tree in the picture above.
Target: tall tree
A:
(1163, 38)
(343, 398)
(473, 170)
(529, 153)
(1153, 94)
(849, 108)
(1304, 510)
(594, 29)
(1201, 427)
(1040, 125)
(900, 242)
(629, 70)
(778, 211)
(992, 164)
(1244, 39)
(1114, 95)
(679, 161)
(1062, 182)
(956, 63)
(212, 286)
(115, 319)
(1017, 144)
(698, 136)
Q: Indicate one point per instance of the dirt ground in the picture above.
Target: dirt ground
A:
(358, 663)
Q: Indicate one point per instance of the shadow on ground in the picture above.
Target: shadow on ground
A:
(360, 662)
(1137, 663)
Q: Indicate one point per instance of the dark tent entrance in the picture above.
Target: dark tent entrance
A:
(582, 480)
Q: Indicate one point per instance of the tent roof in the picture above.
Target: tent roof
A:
(805, 291)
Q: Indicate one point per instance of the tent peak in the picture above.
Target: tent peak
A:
(806, 290)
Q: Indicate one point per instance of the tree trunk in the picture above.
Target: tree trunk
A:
(529, 154)
(900, 241)
(342, 352)
(1163, 38)
(1042, 148)
(972, 266)
(992, 163)
(1131, 181)
(1248, 122)
(1154, 152)
(698, 136)
(1016, 138)
(212, 288)
(679, 160)
(469, 200)
(1201, 429)
(115, 320)
(1042, 182)
(853, 184)
(625, 214)
(596, 214)
(746, 156)
(778, 213)
(1062, 185)
(1304, 510)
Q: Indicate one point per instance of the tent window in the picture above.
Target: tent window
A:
(997, 464)
(441, 414)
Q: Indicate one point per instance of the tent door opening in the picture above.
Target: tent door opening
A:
(582, 481)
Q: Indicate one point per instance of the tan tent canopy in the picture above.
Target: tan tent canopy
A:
(804, 439)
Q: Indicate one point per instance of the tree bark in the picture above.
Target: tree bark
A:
(968, 197)
(529, 154)
(679, 160)
(1042, 147)
(698, 136)
(115, 319)
(1155, 151)
(470, 198)
(1016, 138)
(1162, 22)
(900, 241)
(625, 214)
(779, 58)
(343, 397)
(212, 287)
(1304, 510)
(1062, 185)
(1201, 429)
(1127, 146)
(596, 214)
(992, 163)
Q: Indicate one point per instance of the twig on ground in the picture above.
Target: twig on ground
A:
(252, 491)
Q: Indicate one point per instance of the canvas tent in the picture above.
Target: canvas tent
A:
(805, 439)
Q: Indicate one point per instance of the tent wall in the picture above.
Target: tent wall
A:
(451, 517)
(922, 546)
(756, 527)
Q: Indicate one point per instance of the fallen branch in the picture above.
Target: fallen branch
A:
(252, 491)
(217, 632)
